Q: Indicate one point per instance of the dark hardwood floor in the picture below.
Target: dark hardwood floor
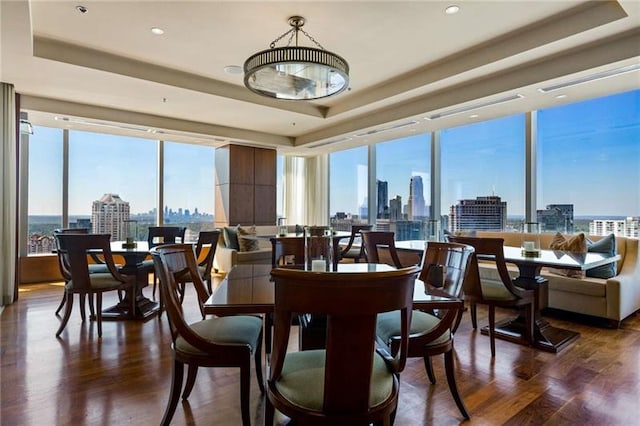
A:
(124, 378)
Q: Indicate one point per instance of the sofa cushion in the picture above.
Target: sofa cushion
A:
(573, 243)
(247, 239)
(606, 246)
(230, 236)
(595, 287)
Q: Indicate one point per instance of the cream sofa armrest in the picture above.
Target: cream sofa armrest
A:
(625, 288)
(225, 259)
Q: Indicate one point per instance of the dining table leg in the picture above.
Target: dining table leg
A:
(144, 307)
(545, 336)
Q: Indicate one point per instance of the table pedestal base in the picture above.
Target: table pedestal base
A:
(144, 306)
(545, 336)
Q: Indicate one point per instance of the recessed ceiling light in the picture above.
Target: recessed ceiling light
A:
(82, 9)
(450, 10)
(233, 69)
(474, 116)
(157, 31)
(561, 96)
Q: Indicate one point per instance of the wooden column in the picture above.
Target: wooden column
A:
(245, 186)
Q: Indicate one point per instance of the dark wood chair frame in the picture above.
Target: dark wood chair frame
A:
(350, 330)
(371, 240)
(75, 250)
(173, 260)
(169, 235)
(444, 268)
(207, 240)
(491, 249)
(355, 232)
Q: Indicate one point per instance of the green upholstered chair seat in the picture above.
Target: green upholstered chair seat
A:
(241, 330)
(305, 370)
(100, 281)
(353, 252)
(99, 268)
(495, 290)
(388, 325)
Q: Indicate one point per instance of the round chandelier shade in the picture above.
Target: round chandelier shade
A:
(296, 72)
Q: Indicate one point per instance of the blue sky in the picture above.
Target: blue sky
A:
(588, 155)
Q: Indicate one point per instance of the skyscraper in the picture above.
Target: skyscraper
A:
(108, 216)
(395, 208)
(556, 217)
(382, 208)
(416, 204)
(482, 214)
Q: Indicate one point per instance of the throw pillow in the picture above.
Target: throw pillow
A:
(247, 239)
(608, 247)
(230, 236)
(574, 243)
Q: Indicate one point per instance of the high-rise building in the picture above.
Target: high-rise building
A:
(556, 218)
(621, 227)
(395, 209)
(382, 208)
(482, 214)
(108, 216)
(416, 204)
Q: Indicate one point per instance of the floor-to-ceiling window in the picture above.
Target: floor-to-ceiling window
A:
(348, 174)
(189, 187)
(45, 188)
(589, 166)
(403, 183)
(483, 175)
(112, 177)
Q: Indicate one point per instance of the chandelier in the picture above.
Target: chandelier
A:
(296, 72)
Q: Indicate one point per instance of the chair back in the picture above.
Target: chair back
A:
(63, 261)
(170, 261)
(76, 247)
(487, 249)
(165, 235)
(351, 327)
(371, 240)
(444, 268)
(287, 251)
(207, 239)
(355, 232)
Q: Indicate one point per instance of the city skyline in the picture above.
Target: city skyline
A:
(584, 149)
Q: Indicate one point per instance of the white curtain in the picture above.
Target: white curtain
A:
(306, 190)
(8, 203)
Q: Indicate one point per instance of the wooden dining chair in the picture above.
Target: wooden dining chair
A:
(76, 249)
(205, 251)
(215, 342)
(502, 293)
(354, 253)
(156, 236)
(349, 382)
(373, 240)
(287, 251)
(444, 268)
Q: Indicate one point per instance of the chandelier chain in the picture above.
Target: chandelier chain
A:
(291, 33)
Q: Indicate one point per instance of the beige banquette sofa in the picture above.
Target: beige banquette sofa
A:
(613, 299)
(227, 257)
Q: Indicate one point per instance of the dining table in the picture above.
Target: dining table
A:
(248, 289)
(133, 256)
(545, 337)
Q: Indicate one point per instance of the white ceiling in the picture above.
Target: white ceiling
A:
(408, 61)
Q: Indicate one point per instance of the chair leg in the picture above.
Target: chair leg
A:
(492, 329)
(428, 366)
(192, 372)
(176, 385)
(269, 412)
(451, 379)
(258, 360)
(99, 313)
(83, 296)
(67, 313)
(245, 384)
(474, 316)
(62, 302)
(92, 310)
